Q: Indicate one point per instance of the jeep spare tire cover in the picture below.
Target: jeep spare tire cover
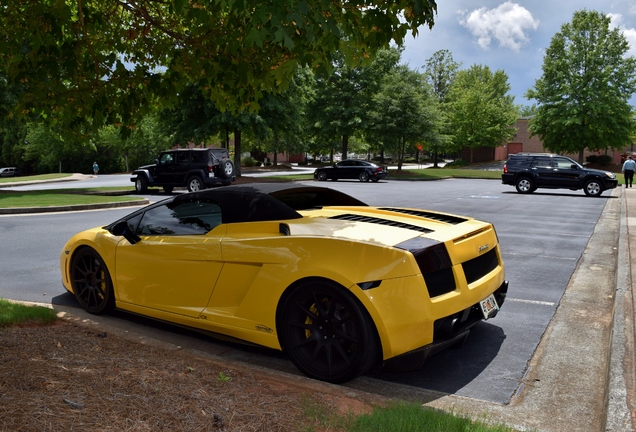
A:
(226, 168)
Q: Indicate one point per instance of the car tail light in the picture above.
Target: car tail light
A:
(430, 255)
(505, 168)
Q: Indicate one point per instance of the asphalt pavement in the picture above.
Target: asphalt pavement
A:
(582, 376)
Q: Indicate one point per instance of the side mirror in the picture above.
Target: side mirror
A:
(121, 229)
(574, 166)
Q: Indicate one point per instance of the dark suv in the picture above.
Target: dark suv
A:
(195, 169)
(530, 171)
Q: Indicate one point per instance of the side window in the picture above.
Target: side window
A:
(562, 163)
(166, 159)
(184, 218)
(198, 157)
(183, 158)
(542, 162)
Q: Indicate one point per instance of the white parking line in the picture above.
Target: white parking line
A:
(543, 303)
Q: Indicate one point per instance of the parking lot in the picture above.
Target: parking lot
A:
(542, 237)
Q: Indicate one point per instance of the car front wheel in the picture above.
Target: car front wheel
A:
(593, 188)
(141, 184)
(363, 176)
(322, 176)
(91, 282)
(525, 185)
(195, 184)
(327, 333)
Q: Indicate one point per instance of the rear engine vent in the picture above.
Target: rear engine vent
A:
(479, 267)
(439, 282)
(454, 220)
(373, 220)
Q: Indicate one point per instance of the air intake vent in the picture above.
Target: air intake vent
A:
(454, 220)
(378, 221)
(479, 267)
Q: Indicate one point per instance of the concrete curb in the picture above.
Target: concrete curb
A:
(68, 208)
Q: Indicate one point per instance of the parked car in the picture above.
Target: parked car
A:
(195, 169)
(530, 171)
(9, 172)
(338, 285)
(352, 169)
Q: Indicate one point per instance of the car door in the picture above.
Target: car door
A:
(567, 173)
(543, 171)
(165, 168)
(181, 167)
(347, 170)
(175, 266)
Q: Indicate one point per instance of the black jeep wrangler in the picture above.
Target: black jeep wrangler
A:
(194, 168)
(530, 171)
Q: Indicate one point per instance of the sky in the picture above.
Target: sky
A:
(508, 35)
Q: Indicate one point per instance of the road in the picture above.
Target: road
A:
(542, 237)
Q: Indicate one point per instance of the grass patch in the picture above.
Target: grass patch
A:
(52, 198)
(17, 313)
(34, 178)
(404, 417)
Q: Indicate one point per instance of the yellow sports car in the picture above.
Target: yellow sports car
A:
(338, 285)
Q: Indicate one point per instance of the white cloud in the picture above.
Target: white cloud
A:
(507, 23)
(629, 33)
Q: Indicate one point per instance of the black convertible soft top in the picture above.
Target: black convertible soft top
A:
(255, 202)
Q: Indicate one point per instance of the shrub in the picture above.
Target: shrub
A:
(457, 163)
(599, 159)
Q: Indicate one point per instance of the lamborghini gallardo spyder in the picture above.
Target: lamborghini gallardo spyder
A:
(340, 286)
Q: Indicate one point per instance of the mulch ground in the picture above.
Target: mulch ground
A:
(67, 377)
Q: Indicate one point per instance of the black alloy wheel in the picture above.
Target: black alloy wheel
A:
(91, 282)
(364, 176)
(322, 176)
(327, 333)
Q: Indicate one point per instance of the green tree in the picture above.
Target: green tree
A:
(343, 100)
(440, 71)
(94, 62)
(482, 114)
(585, 87)
(405, 113)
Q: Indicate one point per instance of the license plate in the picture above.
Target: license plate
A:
(488, 305)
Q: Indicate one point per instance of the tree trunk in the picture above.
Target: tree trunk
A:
(345, 146)
(237, 152)
(582, 156)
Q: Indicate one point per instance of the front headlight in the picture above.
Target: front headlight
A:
(610, 175)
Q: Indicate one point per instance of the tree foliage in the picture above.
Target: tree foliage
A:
(343, 100)
(405, 113)
(94, 62)
(482, 113)
(585, 87)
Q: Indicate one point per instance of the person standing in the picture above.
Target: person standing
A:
(628, 170)
(96, 168)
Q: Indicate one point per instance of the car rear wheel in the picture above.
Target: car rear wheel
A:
(327, 333)
(363, 176)
(525, 185)
(141, 184)
(91, 282)
(593, 188)
(195, 184)
(322, 176)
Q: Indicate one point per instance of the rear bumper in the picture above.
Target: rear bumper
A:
(449, 331)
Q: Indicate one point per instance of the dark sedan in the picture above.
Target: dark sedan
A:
(352, 169)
